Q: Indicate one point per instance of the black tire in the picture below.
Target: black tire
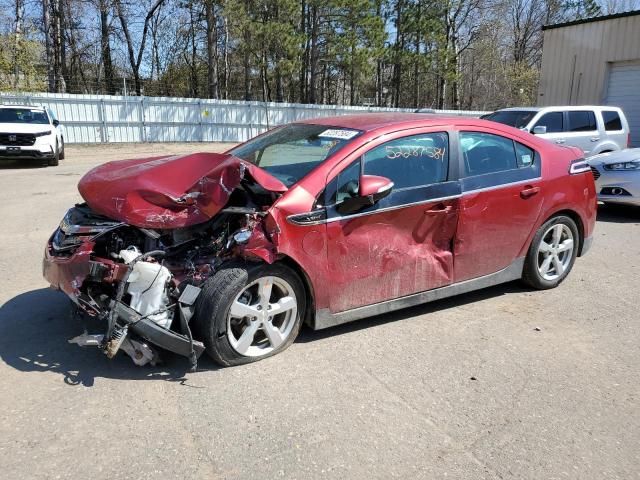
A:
(217, 296)
(53, 162)
(531, 274)
(61, 156)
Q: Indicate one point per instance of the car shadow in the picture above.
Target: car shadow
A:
(34, 327)
(21, 164)
(612, 213)
(308, 335)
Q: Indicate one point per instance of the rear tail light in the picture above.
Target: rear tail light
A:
(579, 166)
(629, 140)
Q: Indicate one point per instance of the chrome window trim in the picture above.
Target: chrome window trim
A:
(364, 214)
(421, 202)
(502, 185)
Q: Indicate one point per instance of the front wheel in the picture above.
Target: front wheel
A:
(53, 162)
(552, 253)
(247, 312)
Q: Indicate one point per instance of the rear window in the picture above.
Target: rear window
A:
(513, 118)
(582, 121)
(611, 120)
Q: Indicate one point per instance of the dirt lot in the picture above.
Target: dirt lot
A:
(502, 383)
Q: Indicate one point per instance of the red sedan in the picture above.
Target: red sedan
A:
(323, 222)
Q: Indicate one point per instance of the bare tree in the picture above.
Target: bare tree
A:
(135, 60)
(212, 49)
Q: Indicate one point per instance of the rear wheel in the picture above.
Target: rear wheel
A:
(247, 312)
(552, 253)
(53, 162)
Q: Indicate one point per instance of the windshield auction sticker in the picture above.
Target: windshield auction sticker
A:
(341, 134)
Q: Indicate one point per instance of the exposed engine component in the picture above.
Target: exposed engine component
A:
(147, 287)
(140, 276)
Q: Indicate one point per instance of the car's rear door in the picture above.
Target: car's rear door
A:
(501, 201)
(403, 244)
(582, 130)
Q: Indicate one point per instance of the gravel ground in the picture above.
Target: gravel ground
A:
(501, 383)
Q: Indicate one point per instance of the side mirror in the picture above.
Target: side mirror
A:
(539, 130)
(55, 123)
(372, 189)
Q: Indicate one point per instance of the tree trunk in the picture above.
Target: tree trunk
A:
(379, 63)
(226, 58)
(17, 42)
(46, 24)
(105, 48)
(314, 57)
(305, 54)
(212, 49)
(279, 85)
(399, 47)
(416, 63)
(58, 47)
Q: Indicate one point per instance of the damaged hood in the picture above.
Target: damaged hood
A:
(169, 191)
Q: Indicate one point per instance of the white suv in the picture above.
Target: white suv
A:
(593, 129)
(30, 133)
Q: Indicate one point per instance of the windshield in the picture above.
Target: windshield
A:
(16, 115)
(290, 152)
(513, 118)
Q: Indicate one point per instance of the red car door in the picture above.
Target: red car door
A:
(501, 201)
(403, 244)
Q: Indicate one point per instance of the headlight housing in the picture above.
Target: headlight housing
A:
(42, 134)
(634, 165)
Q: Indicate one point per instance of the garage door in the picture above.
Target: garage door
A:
(623, 90)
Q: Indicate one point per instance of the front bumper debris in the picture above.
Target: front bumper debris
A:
(68, 273)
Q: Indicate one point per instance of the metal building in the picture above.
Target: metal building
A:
(594, 61)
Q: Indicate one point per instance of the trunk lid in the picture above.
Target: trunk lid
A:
(169, 191)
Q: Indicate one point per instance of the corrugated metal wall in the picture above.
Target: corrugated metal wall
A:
(103, 118)
(577, 58)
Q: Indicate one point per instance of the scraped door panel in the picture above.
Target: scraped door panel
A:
(390, 254)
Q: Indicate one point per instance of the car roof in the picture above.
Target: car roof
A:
(22, 107)
(559, 107)
(392, 121)
(520, 109)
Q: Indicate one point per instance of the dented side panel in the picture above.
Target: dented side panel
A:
(495, 228)
(391, 254)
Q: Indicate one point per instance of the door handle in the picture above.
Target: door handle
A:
(440, 208)
(560, 140)
(529, 191)
(594, 139)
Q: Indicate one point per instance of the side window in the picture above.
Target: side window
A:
(582, 121)
(410, 161)
(347, 183)
(487, 153)
(611, 120)
(524, 155)
(553, 121)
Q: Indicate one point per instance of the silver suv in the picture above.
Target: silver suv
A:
(593, 129)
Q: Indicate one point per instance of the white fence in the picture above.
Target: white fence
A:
(105, 118)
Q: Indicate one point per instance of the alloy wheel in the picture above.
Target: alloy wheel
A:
(555, 251)
(262, 316)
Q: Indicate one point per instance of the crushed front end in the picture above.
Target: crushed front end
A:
(142, 283)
